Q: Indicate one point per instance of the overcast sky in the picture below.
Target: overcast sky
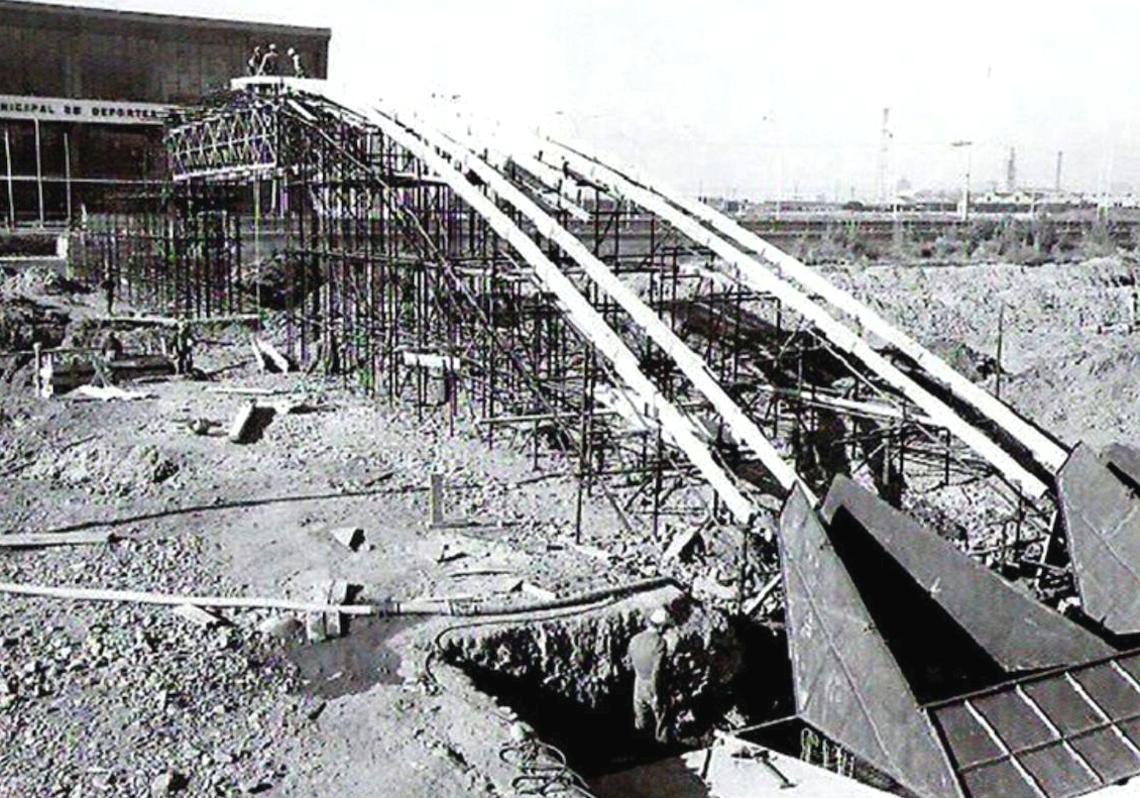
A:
(735, 96)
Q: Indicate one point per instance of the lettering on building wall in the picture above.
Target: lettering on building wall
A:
(47, 109)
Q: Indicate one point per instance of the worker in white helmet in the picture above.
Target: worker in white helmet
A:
(647, 652)
(298, 67)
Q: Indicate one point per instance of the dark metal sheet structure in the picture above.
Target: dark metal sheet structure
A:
(1102, 523)
(1019, 633)
(847, 683)
(1057, 735)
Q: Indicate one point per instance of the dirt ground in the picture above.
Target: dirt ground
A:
(100, 699)
(1069, 352)
(107, 699)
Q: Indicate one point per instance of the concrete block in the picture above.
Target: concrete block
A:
(241, 423)
(351, 537)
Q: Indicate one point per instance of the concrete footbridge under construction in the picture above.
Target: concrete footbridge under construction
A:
(703, 380)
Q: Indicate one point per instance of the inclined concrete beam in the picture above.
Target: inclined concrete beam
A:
(480, 141)
(688, 361)
(1047, 452)
(755, 274)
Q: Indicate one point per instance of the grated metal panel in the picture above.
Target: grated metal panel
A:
(1058, 771)
(971, 743)
(999, 778)
(1063, 706)
(1057, 735)
(1107, 753)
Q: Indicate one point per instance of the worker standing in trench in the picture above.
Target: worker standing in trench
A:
(647, 652)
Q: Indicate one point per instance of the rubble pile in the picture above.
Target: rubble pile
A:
(209, 708)
(103, 468)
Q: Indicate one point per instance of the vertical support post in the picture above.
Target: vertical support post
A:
(743, 575)
(1000, 343)
(67, 173)
(39, 171)
(946, 476)
(658, 467)
(37, 349)
(8, 168)
(257, 245)
(435, 499)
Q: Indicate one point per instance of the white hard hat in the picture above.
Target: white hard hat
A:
(659, 617)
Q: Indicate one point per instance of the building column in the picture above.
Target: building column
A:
(39, 171)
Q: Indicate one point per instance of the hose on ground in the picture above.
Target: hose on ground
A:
(423, 607)
(542, 770)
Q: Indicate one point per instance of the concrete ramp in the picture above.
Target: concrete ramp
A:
(1101, 515)
(1018, 632)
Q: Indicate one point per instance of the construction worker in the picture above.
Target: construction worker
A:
(269, 62)
(254, 62)
(298, 67)
(647, 652)
(112, 350)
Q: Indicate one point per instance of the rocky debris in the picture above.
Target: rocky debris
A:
(268, 357)
(1068, 358)
(200, 426)
(98, 466)
(281, 627)
(96, 332)
(207, 707)
(167, 783)
(25, 322)
(198, 616)
(351, 537)
(240, 427)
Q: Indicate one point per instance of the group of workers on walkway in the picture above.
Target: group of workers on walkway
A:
(267, 62)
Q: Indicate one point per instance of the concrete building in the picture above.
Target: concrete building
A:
(84, 94)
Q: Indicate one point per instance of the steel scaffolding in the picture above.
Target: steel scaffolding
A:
(444, 272)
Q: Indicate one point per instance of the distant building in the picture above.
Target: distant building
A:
(84, 93)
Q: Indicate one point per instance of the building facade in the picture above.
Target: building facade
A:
(84, 94)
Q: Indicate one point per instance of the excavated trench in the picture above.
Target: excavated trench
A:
(565, 675)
